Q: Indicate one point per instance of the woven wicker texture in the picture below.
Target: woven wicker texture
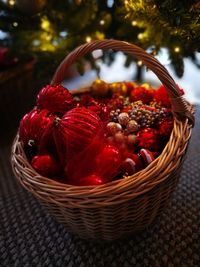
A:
(126, 205)
(29, 236)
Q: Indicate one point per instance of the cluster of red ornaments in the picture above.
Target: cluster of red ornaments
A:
(114, 130)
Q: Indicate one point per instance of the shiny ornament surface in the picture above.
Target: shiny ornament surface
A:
(56, 99)
(34, 125)
(99, 88)
(46, 165)
(75, 131)
(147, 156)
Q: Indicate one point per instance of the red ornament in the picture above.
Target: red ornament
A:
(132, 164)
(107, 162)
(34, 125)
(56, 99)
(148, 138)
(147, 156)
(92, 179)
(75, 131)
(165, 126)
(161, 96)
(143, 94)
(46, 165)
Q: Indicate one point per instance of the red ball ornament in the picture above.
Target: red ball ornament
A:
(46, 165)
(75, 131)
(56, 99)
(161, 96)
(92, 179)
(148, 138)
(143, 94)
(147, 156)
(107, 163)
(165, 126)
(34, 126)
(132, 164)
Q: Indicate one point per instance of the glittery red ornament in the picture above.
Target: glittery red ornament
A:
(92, 179)
(56, 99)
(34, 125)
(161, 96)
(75, 131)
(165, 126)
(107, 162)
(46, 165)
(143, 94)
(148, 138)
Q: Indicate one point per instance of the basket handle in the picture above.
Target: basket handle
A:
(179, 106)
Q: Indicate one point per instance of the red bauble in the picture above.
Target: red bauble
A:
(107, 162)
(56, 99)
(161, 96)
(148, 138)
(132, 164)
(75, 131)
(147, 156)
(165, 126)
(34, 125)
(92, 179)
(46, 165)
(143, 94)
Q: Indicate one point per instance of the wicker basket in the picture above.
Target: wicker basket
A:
(124, 206)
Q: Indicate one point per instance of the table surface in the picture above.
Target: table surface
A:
(29, 236)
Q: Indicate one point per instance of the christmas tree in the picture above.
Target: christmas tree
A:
(50, 29)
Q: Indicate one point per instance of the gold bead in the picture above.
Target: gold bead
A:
(132, 126)
(113, 127)
(123, 118)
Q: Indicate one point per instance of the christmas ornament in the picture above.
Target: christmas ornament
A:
(131, 164)
(46, 165)
(99, 88)
(148, 138)
(123, 118)
(107, 162)
(132, 126)
(30, 7)
(119, 88)
(165, 126)
(147, 156)
(143, 94)
(56, 99)
(161, 96)
(113, 127)
(34, 125)
(74, 132)
(92, 179)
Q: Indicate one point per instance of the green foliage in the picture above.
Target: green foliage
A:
(63, 25)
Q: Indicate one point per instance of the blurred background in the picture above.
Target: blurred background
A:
(36, 35)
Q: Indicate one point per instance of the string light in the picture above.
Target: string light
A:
(177, 49)
(140, 36)
(11, 2)
(102, 22)
(139, 63)
(45, 24)
(15, 24)
(88, 39)
(134, 23)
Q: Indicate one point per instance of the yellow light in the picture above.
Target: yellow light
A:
(140, 36)
(139, 63)
(15, 24)
(134, 23)
(177, 49)
(45, 24)
(88, 39)
(102, 22)
(11, 2)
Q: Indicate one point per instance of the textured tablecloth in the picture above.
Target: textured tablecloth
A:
(29, 236)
